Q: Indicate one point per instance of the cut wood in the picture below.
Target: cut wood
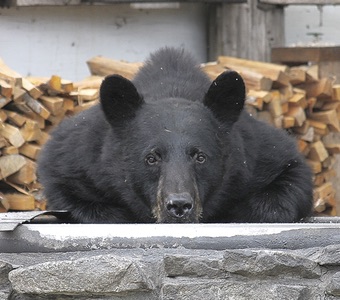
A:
(303, 146)
(26, 174)
(288, 122)
(213, 69)
(4, 101)
(336, 92)
(93, 82)
(329, 162)
(298, 99)
(333, 148)
(3, 116)
(277, 73)
(320, 88)
(20, 201)
(275, 108)
(13, 135)
(265, 96)
(3, 142)
(297, 75)
(9, 164)
(319, 127)
(68, 104)
(30, 150)
(36, 106)
(18, 94)
(298, 114)
(315, 166)
(14, 78)
(9, 150)
(53, 104)
(67, 86)
(44, 136)
(323, 191)
(318, 152)
(85, 95)
(328, 117)
(16, 118)
(324, 177)
(5, 89)
(103, 66)
(30, 131)
(36, 118)
(31, 89)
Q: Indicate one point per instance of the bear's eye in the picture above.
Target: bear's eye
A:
(152, 159)
(200, 158)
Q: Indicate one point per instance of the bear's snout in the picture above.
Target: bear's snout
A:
(179, 205)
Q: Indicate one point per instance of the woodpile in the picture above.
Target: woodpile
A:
(29, 109)
(294, 98)
(297, 100)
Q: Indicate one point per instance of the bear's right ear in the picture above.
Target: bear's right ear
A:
(119, 99)
(226, 96)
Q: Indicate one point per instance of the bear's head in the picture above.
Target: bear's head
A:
(173, 150)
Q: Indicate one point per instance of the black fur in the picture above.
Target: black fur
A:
(172, 135)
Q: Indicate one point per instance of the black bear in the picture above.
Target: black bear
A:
(173, 147)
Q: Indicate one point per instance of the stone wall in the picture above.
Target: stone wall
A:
(174, 271)
(170, 274)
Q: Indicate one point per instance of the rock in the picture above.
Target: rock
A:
(333, 288)
(191, 265)
(269, 263)
(220, 289)
(5, 268)
(91, 275)
(324, 256)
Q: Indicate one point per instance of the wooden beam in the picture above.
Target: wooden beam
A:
(299, 2)
(241, 39)
(305, 54)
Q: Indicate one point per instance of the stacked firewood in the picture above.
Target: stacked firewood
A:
(294, 99)
(297, 100)
(29, 109)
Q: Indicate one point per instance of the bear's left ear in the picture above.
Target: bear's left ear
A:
(226, 96)
(119, 99)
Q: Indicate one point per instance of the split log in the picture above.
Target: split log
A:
(9, 164)
(26, 174)
(12, 77)
(20, 201)
(103, 66)
(13, 135)
(277, 73)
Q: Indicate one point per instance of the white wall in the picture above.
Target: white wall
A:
(302, 21)
(43, 41)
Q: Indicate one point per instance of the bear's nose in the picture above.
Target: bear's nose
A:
(179, 205)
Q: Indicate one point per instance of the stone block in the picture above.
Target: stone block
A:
(5, 268)
(193, 266)
(333, 288)
(221, 289)
(103, 274)
(269, 263)
(324, 256)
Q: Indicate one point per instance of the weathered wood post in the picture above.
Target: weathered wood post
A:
(247, 30)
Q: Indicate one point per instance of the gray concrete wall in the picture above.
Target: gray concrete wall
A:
(312, 24)
(43, 41)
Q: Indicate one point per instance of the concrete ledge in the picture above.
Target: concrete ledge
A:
(82, 237)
